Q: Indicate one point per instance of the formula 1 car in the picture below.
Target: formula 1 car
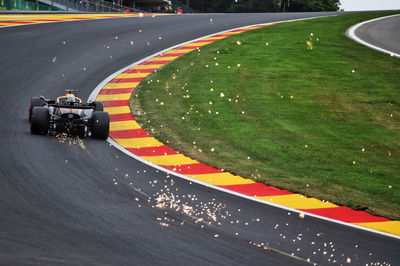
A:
(68, 114)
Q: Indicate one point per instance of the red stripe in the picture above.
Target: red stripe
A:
(257, 189)
(209, 40)
(47, 20)
(138, 71)
(80, 18)
(121, 117)
(116, 103)
(161, 62)
(172, 54)
(184, 48)
(130, 133)
(122, 80)
(116, 91)
(152, 151)
(347, 215)
(193, 169)
(16, 22)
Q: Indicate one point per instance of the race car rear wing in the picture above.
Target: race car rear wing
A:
(70, 106)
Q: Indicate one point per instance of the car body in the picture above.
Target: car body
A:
(68, 114)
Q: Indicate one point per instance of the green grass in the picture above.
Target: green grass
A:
(289, 116)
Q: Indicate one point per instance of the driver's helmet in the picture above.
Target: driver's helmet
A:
(69, 98)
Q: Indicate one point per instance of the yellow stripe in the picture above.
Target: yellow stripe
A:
(179, 51)
(391, 227)
(132, 75)
(124, 125)
(196, 44)
(117, 110)
(147, 66)
(297, 201)
(138, 142)
(176, 159)
(256, 27)
(121, 85)
(222, 179)
(229, 33)
(213, 38)
(113, 97)
(165, 58)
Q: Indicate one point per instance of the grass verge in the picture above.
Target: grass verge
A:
(296, 105)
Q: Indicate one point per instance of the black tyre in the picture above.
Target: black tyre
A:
(98, 106)
(35, 101)
(40, 120)
(100, 125)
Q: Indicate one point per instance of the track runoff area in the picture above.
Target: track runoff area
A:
(9, 20)
(128, 136)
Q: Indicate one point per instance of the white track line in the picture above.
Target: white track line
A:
(96, 91)
(351, 33)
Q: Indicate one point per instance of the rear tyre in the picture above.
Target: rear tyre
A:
(40, 120)
(35, 101)
(98, 106)
(100, 125)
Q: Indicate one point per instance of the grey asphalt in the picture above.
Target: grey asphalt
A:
(384, 33)
(69, 203)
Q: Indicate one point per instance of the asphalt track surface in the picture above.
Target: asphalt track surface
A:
(384, 33)
(67, 204)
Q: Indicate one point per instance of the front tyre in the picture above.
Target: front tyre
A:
(40, 120)
(100, 125)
